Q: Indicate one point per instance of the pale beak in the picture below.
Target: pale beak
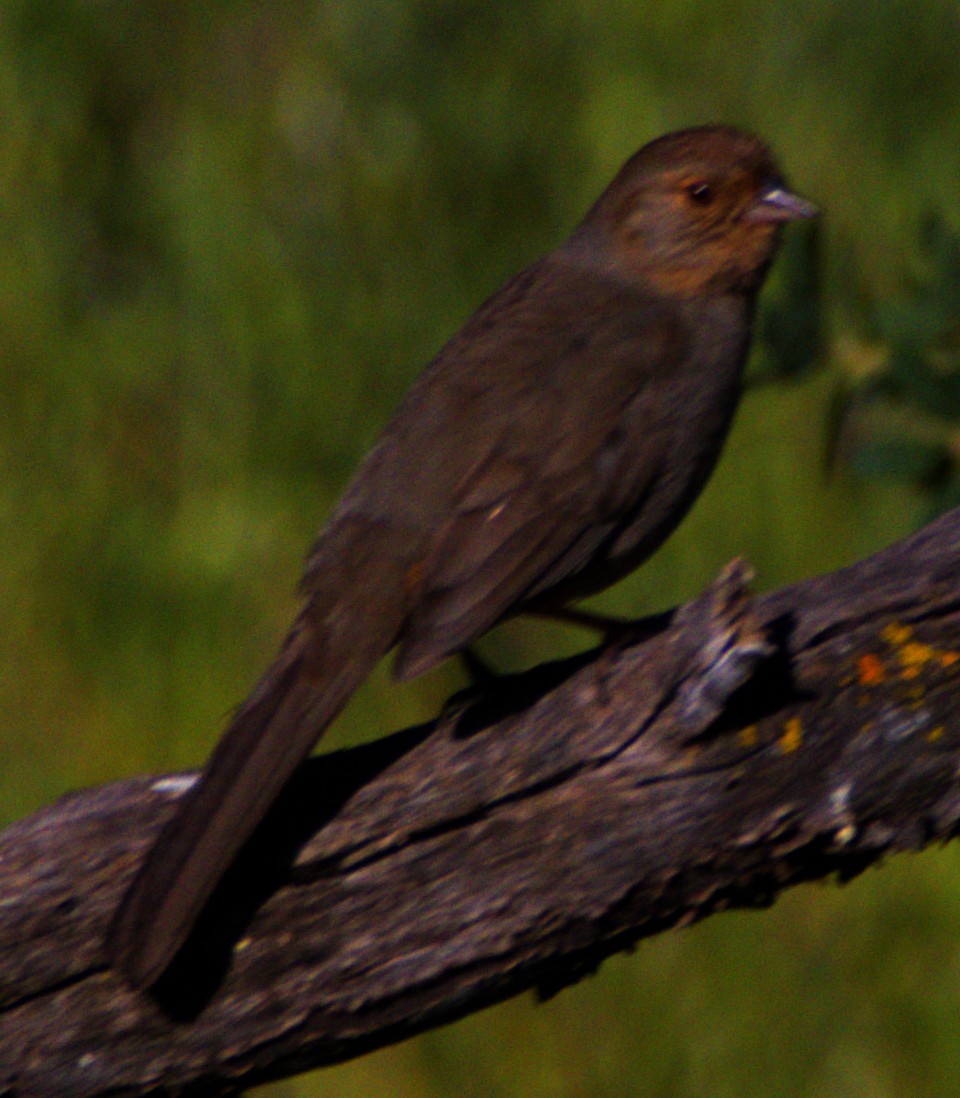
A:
(776, 203)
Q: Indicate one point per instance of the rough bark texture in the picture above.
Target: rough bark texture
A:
(736, 749)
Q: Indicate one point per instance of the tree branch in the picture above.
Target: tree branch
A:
(736, 748)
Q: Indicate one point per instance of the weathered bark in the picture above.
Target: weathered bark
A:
(736, 749)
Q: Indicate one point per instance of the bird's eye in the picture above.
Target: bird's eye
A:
(700, 193)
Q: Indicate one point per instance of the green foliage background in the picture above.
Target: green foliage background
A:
(232, 233)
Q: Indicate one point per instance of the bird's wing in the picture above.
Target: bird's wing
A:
(546, 465)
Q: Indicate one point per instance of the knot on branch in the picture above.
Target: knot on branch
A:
(730, 643)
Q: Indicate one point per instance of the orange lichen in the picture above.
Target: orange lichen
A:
(870, 670)
(792, 736)
(748, 736)
(896, 634)
(915, 654)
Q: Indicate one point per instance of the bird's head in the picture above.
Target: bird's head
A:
(693, 212)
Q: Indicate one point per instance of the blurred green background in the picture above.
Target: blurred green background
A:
(231, 235)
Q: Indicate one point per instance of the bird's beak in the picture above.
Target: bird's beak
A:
(776, 203)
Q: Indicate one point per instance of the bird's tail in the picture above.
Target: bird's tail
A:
(343, 631)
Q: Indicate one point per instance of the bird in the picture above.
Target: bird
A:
(547, 450)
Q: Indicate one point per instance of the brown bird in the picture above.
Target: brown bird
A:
(547, 450)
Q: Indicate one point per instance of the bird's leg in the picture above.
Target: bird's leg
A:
(616, 634)
(479, 672)
(610, 628)
(480, 675)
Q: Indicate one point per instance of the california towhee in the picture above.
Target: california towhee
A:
(547, 450)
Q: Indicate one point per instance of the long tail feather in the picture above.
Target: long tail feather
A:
(325, 659)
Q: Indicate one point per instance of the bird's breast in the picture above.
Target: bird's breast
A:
(667, 445)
